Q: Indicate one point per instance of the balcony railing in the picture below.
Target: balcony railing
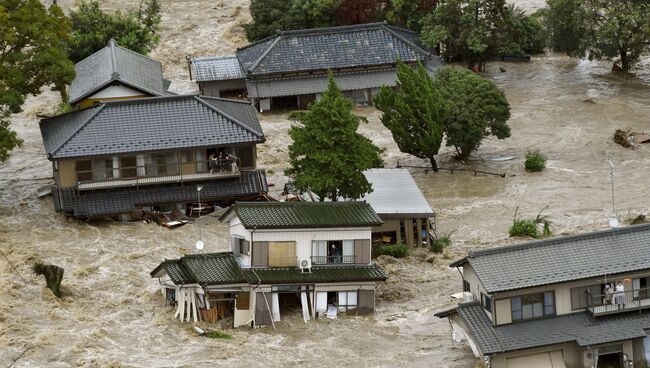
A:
(148, 174)
(608, 303)
(332, 260)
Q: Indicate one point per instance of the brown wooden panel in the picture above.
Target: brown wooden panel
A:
(243, 300)
(262, 312)
(282, 254)
(366, 301)
(362, 251)
(260, 256)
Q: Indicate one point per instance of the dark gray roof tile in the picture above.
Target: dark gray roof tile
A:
(216, 68)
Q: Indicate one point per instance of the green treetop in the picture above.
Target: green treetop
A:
(327, 155)
(32, 55)
(414, 113)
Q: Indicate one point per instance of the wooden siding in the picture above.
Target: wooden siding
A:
(67, 173)
(282, 254)
(362, 251)
(366, 301)
(260, 254)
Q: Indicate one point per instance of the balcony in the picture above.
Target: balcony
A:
(332, 260)
(629, 300)
(136, 176)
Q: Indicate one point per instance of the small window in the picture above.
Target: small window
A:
(84, 170)
(466, 286)
(244, 246)
(533, 306)
(486, 302)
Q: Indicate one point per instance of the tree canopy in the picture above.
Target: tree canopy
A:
(327, 155)
(92, 28)
(32, 55)
(414, 113)
(475, 109)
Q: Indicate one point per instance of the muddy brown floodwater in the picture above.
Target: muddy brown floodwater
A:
(113, 316)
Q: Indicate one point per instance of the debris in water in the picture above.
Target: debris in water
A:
(631, 139)
(44, 191)
(53, 276)
(589, 100)
(199, 331)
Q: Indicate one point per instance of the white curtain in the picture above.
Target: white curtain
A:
(200, 161)
(636, 285)
(348, 251)
(321, 302)
(305, 305)
(140, 161)
(275, 308)
(116, 167)
(319, 249)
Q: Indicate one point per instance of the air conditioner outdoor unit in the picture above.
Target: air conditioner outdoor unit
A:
(468, 297)
(305, 265)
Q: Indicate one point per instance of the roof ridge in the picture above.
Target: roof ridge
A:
(255, 43)
(146, 99)
(266, 52)
(403, 39)
(216, 57)
(556, 240)
(335, 29)
(91, 117)
(139, 54)
(224, 99)
(228, 116)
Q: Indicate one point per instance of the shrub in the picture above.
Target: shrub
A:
(218, 335)
(398, 250)
(440, 243)
(535, 161)
(530, 227)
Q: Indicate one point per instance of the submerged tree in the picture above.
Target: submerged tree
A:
(92, 28)
(414, 113)
(32, 55)
(475, 109)
(327, 155)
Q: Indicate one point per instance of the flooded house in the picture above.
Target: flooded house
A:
(289, 69)
(310, 258)
(576, 301)
(116, 73)
(400, 204)
(152, 154)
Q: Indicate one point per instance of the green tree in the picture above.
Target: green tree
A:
(272, 16)
(32, 55)
(564, 21)
(475, 109)
(327, 155)
(414, 113)
(92, 28)
(408, 13)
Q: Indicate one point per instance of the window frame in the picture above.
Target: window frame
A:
(486, 302)
(521, 306)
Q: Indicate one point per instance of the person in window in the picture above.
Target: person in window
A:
(335, 253)
(213, 162)
(619, 294)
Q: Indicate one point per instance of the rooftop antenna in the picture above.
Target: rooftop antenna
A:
(613, 222)
(199, 244)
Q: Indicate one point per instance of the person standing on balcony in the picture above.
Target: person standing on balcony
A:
(619, 294)
(608, 293)
(212, 161)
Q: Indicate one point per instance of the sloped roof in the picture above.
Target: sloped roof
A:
(395, 194)
(116, 63)
(561, 259)
(331, 48)
(575, 327)
(285, 215)
(216, 68)
(150, 124)
(223, 268)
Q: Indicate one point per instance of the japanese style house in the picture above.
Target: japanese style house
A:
(575, 301)
(119, 157)
(289, 69)
(116, 73)
(403, 209)
(309, 256)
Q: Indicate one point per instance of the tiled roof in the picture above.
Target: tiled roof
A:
(223, 268)
(562, 259)
(116, 63)
(394, 193)
(302, 85)
(150, 124)
(331, 48)
(282, 215)
(125, 200)
(576, 327)
(216, 68)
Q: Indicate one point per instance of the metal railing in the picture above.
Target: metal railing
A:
(155, 173)
(332, 260)
(607, 303)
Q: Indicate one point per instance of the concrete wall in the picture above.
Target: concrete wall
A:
(213, 89)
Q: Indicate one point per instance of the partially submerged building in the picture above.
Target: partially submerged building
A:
(309, 256)
(136, 155)
(400, 204)
(289, 69)
(576, 301)
(116, 73)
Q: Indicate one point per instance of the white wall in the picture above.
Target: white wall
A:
(114, 91)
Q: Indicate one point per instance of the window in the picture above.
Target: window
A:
(129, 166)
(466, 286)
(333, 251)
(533, 306)
(347, 301)
(486, 302)
(243, 246)
(84, 170)
(102, 168)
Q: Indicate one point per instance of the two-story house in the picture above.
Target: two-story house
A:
(575, 301)
(135, 155)
(116, 73)
(310, 256)
(289, 69)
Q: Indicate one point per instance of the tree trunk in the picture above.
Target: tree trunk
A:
(625, 63)
(434, 164)
(53, 276)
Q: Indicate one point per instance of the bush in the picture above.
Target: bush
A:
(440, 243)
(218, 335)
(530, 227)
(398, 250)
(535, 161)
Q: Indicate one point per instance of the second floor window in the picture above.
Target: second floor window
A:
(533, 306)
(84, 170)
(335, 251)
(486, 302)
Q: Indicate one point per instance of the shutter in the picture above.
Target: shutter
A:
(366, 300)
(262, 312)
(247, 247)
(234, 246)
(260, 254)
(578, 297)
(362, 251)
